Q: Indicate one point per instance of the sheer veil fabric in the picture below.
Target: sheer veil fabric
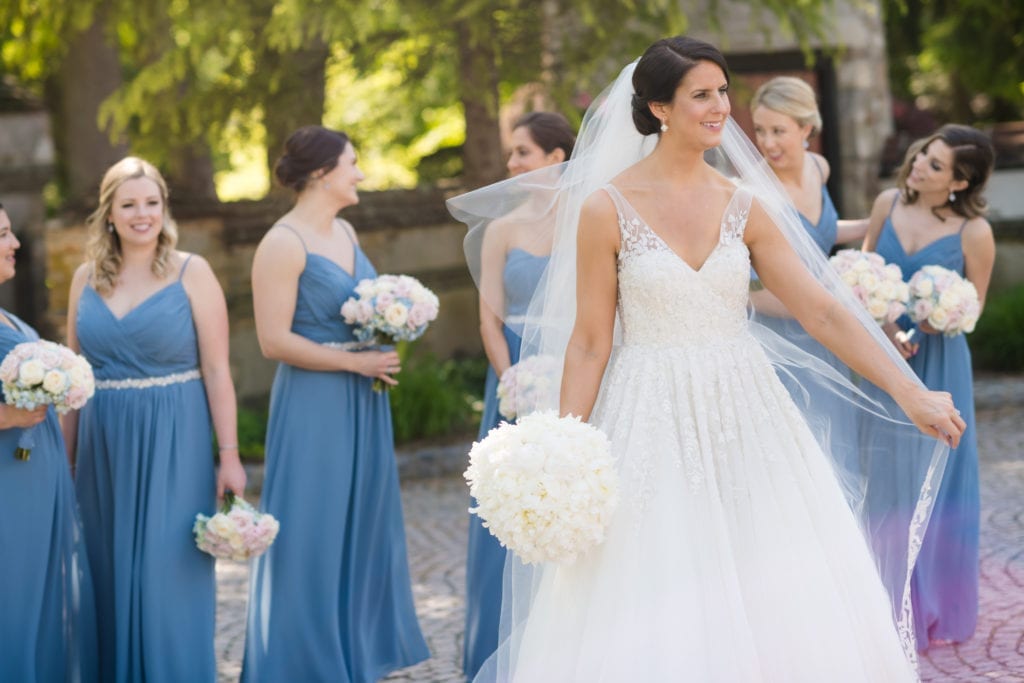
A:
(891, 493)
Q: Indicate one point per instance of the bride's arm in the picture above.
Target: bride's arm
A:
(590, 344)
(828, 321)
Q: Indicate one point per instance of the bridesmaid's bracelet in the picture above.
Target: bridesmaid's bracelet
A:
(229, 447)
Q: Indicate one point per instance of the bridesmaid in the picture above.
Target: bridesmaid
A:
(785, 114)
(47, 622)
(935, 217)
(512, 260)
(153, 322)
(331, 600)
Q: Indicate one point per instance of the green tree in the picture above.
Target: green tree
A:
(964, 57)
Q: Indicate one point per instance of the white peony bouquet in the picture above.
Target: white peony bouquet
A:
(238, 531)
(545, 486)
(947, 301)
(877, 285)
(527, 386)
(40, 373)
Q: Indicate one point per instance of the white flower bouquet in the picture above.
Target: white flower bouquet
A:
(947, 301)
(238, 531)
(877, 285)
(527, 386)
(546, 486)
(40, 373)
(390, 309)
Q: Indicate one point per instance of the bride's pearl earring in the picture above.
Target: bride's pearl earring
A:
(806, 144)
(664, 127)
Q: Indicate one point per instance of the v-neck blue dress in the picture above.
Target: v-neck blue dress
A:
(944, 586)
(331, 600)
(47, 617)
(145, 469)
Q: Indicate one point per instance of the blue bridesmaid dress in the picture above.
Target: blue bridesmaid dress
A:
(485, 560)
(331, 600)
(819, 405)
(145, 468)
(47, 618)
(944, 586)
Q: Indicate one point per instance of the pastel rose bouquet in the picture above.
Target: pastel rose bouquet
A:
(238, 531)
(390, 309)
(947, 301)
(878, 285)
(40, 373)
(530, 384)
(545, 486)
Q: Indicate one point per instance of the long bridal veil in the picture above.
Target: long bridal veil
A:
(889, 471)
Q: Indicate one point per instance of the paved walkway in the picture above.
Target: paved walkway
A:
(435, 512)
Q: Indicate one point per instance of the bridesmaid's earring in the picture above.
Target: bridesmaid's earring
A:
(110, 227)
(664, 127)
(952, 196)
(806, 144)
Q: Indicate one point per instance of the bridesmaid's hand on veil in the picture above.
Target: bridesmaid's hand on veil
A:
(934, 414)
(378, 365)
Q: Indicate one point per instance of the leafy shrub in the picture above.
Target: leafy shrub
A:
(436, 398)
(998, 341)
(252, 432)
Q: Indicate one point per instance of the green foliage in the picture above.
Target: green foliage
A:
(252, 433)
(437, 399)
(962, 58)
(998, 341)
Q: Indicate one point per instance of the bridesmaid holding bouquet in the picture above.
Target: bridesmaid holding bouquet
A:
(331, 600)
(936, 217)
(47, 622)
(153, 323)
(513, 255)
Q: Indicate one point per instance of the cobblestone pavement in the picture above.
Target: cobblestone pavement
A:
(435, 511)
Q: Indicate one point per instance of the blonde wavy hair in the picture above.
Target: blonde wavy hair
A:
(103, 250)
(792, 97)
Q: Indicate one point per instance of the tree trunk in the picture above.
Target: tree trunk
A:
(481, 153)
(190, 173)
(88, 74)
(297, 101)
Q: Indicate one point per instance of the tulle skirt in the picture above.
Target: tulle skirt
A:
(734, 555)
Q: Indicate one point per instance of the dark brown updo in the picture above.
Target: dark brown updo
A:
(308, 150)
(660, 71)
(549, 130)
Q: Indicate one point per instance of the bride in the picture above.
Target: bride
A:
(741, 551)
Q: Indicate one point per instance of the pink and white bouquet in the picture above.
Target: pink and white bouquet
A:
(390, 308)
(40, 373)
(947, 301)
(878, 285)
(545, 486)
(527, 386)
(238, 531)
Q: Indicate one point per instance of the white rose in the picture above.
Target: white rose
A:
(868, 281)
(79, 375)
(850, 278)
(55, 382)
(31, 373)
(887, 290)
(923, 287)
(878, 308)
(950, 299)
(938, 319)
(396, 315)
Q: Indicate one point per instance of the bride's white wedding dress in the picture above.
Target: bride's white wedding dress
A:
(733, 556)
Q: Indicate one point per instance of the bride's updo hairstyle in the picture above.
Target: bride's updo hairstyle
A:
(308, 150)
(660, 71)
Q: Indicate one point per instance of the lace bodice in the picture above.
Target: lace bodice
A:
(663, 301)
